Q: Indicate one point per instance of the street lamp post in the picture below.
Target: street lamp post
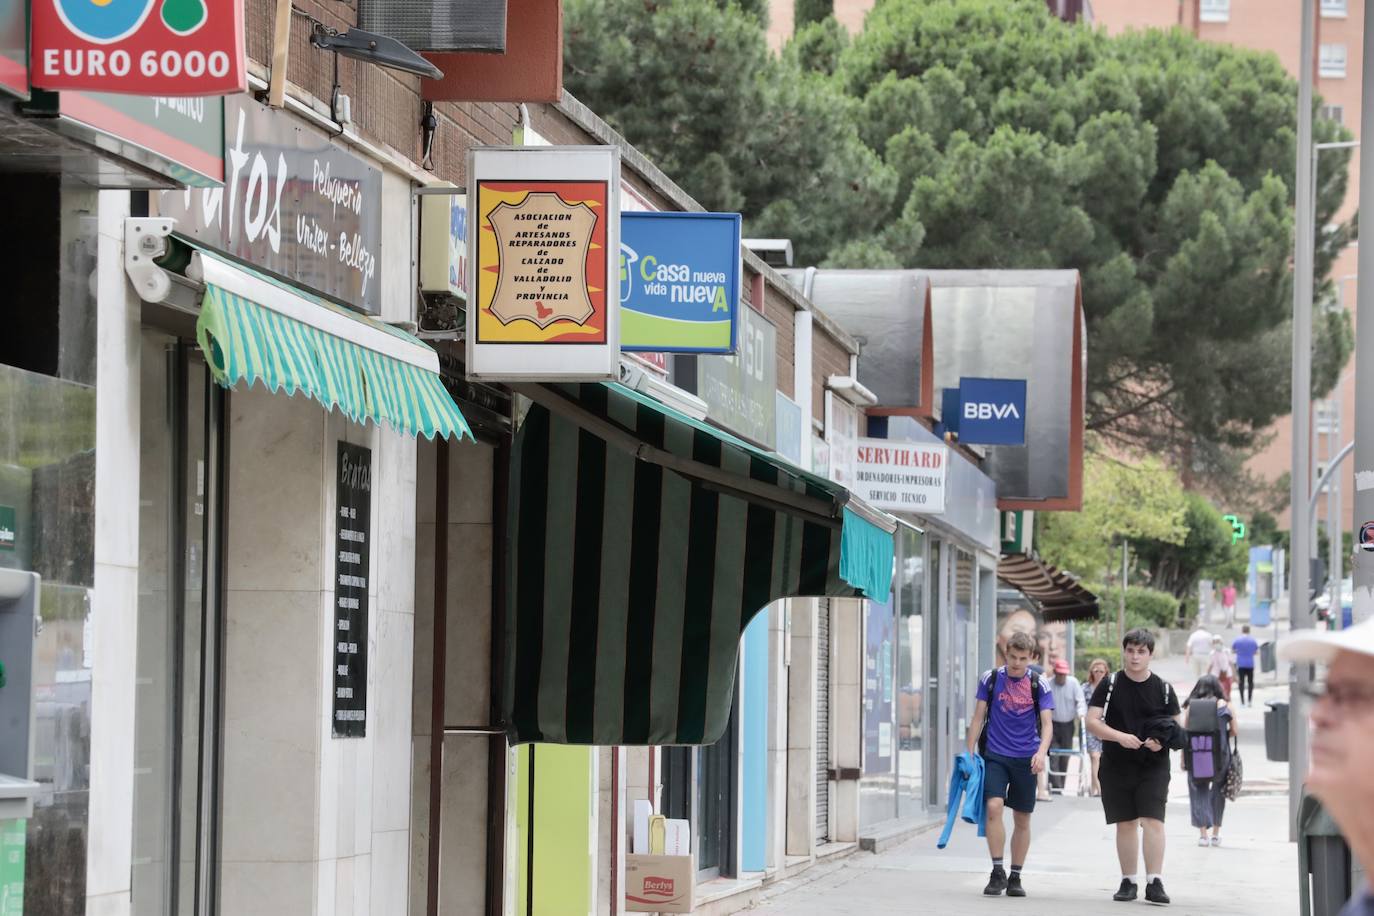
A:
(1304, 254)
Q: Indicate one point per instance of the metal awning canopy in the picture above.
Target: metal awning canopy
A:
(1058, 595)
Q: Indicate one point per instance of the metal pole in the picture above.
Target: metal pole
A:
(1333, 511)
(1121, 608)
(1364, 369)
(1299, 608)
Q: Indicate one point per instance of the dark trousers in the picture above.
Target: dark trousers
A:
(1062, 737)
(1247, 682)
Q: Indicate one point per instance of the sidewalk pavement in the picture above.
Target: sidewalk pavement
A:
(1071, 871)
(1072, 868)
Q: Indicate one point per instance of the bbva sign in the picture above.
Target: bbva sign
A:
(992, 411)
(989, 411)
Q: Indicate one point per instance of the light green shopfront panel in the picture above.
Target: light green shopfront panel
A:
(555, 873)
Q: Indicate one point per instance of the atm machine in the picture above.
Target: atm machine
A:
(18, 630)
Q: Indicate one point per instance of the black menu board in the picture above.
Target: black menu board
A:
(352, 552)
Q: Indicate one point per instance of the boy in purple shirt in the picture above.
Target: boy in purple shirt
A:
(1016, 710)
(1245, 648)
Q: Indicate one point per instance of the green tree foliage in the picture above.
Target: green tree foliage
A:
(989, 134)
(806, 12)
(1145, 607)
(1158, 165)
(692, 85)
(1175, 566)
(1143, 501)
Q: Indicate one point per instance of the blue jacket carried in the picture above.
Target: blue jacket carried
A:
(966, 780)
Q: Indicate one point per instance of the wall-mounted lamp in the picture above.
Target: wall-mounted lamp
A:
(373, 48)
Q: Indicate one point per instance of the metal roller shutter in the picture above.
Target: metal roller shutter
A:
(823, 721)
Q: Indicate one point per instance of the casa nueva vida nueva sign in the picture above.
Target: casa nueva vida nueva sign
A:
(293, 204)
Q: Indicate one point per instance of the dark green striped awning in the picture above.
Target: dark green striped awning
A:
(253, 328)
(641, 544)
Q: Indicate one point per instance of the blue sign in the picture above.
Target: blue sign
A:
(679, 282)
(992, 411)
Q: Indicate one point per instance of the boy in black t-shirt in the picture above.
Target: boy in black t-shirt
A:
(1134, 772)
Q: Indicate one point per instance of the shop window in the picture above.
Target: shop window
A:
(47, 527)
(1331, 61)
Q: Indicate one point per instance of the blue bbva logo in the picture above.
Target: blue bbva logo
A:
(103, 21)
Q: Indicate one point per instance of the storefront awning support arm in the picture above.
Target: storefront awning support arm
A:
(281, 54)
(809, 508)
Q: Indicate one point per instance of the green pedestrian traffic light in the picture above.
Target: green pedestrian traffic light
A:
(1237, 528)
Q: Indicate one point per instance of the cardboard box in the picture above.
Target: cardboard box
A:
(660, 884)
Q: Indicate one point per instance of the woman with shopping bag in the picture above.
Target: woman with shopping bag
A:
(1211, 724)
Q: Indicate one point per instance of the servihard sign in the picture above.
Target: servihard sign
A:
(901, 476)
(139, 47)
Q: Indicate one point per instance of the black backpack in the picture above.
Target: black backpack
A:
(989, 682)
(1204, 756)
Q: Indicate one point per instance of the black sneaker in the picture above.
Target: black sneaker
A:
(1127, 890)
(1014, 888)
(1154, 892)
(997, 882)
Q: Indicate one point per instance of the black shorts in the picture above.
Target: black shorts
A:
(1130, 791)
(1009, 778)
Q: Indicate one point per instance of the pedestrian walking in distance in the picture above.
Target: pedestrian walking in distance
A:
(1098, 670)
(1343, 739)
(1219, 666)
(1198, 650)
(1210, 723)
(1011, 728)
(1228, 602)
(1135, 770)
(1245, 649)
(1069, 707)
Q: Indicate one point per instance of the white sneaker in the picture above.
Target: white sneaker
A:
(1216, 841)
(1202, 841)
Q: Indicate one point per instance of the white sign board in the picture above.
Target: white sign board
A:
(841, 433)
(901, 476)
(543, 246)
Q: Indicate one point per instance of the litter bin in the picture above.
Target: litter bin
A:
(1276, 731)
(1323, 861)
(1268, 657)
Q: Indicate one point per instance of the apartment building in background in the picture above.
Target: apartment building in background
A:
(851, 13)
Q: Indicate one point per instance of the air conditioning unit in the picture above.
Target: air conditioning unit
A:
(438, 25)
(444, 242)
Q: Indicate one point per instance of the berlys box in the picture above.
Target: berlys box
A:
(660, 884)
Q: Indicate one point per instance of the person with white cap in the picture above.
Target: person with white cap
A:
(1343, 738)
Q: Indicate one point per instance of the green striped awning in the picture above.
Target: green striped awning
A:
(641, 543)
(255, 329)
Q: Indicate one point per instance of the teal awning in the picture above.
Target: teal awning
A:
(255, 329)
(641, 543)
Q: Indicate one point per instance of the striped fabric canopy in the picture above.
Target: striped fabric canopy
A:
(1058, 595)
(263, 331)
(641, 544)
